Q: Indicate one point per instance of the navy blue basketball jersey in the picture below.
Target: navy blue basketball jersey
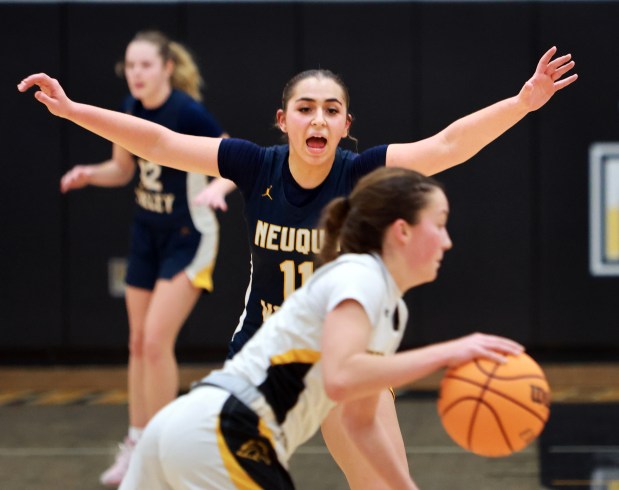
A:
(284, 237)
(161, 192)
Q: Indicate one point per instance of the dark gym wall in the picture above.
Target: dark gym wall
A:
(473, 55)
(519, 222)
(33, 280)
(575, 308)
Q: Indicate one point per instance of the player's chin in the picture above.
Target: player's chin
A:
(430, 276)
(136, 92)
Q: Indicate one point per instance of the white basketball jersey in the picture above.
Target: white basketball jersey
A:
(283, 359)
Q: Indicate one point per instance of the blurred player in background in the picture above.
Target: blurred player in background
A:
(173, 241)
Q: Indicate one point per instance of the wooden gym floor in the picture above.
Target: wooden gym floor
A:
(59, 427)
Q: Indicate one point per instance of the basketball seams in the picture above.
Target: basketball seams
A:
(504, 401)
(455, 402)
(505, 377)
(476, 409)
(485, 388)
(519, 377)
(471, 425)
(500, 378)
(497, 419)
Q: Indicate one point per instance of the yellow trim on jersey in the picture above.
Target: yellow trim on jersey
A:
(237, 474)
(204, 279)
(375, 353)
(263, 430)
(305, 356)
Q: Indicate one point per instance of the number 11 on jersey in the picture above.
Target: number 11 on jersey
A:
(305, 270)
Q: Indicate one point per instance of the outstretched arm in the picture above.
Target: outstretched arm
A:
(358, 380)
(465, 137)
(140, 137)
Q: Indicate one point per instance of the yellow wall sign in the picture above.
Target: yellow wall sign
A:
(604, 209)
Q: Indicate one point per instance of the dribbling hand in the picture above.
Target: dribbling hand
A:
(492, 347)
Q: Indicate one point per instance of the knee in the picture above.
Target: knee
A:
(136, 344)
(154, 348)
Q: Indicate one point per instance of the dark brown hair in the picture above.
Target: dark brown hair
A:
(357, 223)
(319, 74)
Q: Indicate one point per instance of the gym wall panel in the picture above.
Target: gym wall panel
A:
(475, 54)
(519, 219)
(32, 284)
(579, 311)
(371, 46)
(248, 53)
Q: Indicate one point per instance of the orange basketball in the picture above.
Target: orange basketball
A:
(494, 409)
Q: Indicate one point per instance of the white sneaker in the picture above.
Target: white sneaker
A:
(113, 476)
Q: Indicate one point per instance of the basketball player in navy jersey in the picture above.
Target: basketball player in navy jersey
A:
(173, 242)
(285, 187)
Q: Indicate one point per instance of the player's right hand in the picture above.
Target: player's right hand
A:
(76, 178)
(492, 347)
(50, 93)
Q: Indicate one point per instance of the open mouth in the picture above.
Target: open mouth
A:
(316, 142)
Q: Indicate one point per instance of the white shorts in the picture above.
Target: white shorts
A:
(205, 440)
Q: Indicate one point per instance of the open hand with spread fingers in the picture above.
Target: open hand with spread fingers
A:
(547, 79)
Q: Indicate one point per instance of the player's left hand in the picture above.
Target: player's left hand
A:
(212, 198)
(547, 79)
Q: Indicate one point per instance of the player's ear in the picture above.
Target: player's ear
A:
(403, 227)
(400, 230)
(169, 67)
(348, 124)
(281, 120)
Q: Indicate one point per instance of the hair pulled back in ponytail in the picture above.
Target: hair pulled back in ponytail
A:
(333, 218)
(357, 224)
(186, 74)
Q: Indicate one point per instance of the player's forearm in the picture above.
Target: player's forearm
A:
(138, 136)
(459, 141)
(148, 140)
(468, 135)
(365, 374)
(109, 174)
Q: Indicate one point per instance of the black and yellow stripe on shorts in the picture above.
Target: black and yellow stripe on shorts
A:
(245, 445)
